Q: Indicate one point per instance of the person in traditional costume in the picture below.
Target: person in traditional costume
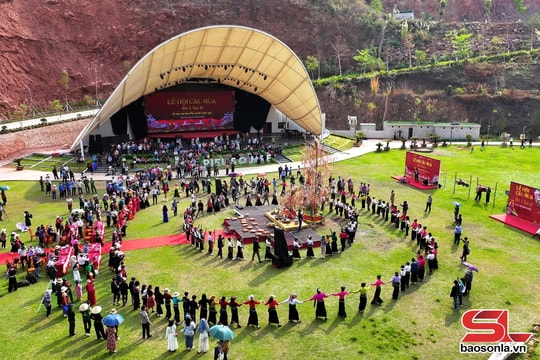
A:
(253, 317)
(171, 336)
(234, 311)
(111, 339)
(203, 329)
(91, 292)
(272, 310)
(165, 211)
(292, 300)
(341, 295)
(320, 308)
(310, 253)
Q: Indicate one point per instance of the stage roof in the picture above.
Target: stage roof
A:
(240, 57)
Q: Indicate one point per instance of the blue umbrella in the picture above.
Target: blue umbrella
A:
(221, 332)
(113, 320)
(4, 187)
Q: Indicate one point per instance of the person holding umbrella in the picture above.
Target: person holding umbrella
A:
(224, 334)
(113, 320)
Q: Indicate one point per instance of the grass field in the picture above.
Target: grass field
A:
(420, 325)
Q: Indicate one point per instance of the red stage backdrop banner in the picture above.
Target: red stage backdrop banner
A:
(427, 167)
(168, 112)
(524, 202)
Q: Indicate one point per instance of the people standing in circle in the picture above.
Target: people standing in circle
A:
(363, 297)
(320, 308)
(253, 317)
(272, 310)
(341, 295)
(396, 281)
(223, 317)
(234, 305)
(377, 296)
(292, 300)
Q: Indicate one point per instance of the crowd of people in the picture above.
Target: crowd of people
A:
(127, 194)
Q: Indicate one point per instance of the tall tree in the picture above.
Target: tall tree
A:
(312, 65)
(340, 49)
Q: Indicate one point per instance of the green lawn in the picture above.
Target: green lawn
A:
(420, 325)
(339, 142)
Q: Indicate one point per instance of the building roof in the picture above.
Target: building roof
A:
(241, 57)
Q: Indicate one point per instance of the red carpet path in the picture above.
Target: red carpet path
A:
(136, 244)
(517, 223)
(416, 184)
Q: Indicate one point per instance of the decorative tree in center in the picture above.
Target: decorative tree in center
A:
(310, 194)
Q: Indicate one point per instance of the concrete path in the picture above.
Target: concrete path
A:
(10, 173)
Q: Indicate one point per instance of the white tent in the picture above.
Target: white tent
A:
(240, 57)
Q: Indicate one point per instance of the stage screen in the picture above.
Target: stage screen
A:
(168, 112)
(524, 202)
(428, 168)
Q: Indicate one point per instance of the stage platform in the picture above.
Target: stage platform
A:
(515, 222)
(416, 184)
(252, 223)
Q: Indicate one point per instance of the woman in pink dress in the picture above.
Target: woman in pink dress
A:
(91, 291)
(78, 290)
(341, 295)
(320, 310)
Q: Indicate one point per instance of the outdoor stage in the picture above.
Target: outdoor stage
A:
(417, 184)
(252, 223)
(516, 222)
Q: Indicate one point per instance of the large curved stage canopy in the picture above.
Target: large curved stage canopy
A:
(235, 56)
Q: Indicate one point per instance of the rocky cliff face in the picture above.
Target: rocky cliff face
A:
(97, 42)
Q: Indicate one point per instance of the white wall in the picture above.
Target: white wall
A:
(444, 130)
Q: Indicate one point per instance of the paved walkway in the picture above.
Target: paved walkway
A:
(10, 173)
(50, 119)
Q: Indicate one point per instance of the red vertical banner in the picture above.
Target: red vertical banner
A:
(524, 202)
(426, 167)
